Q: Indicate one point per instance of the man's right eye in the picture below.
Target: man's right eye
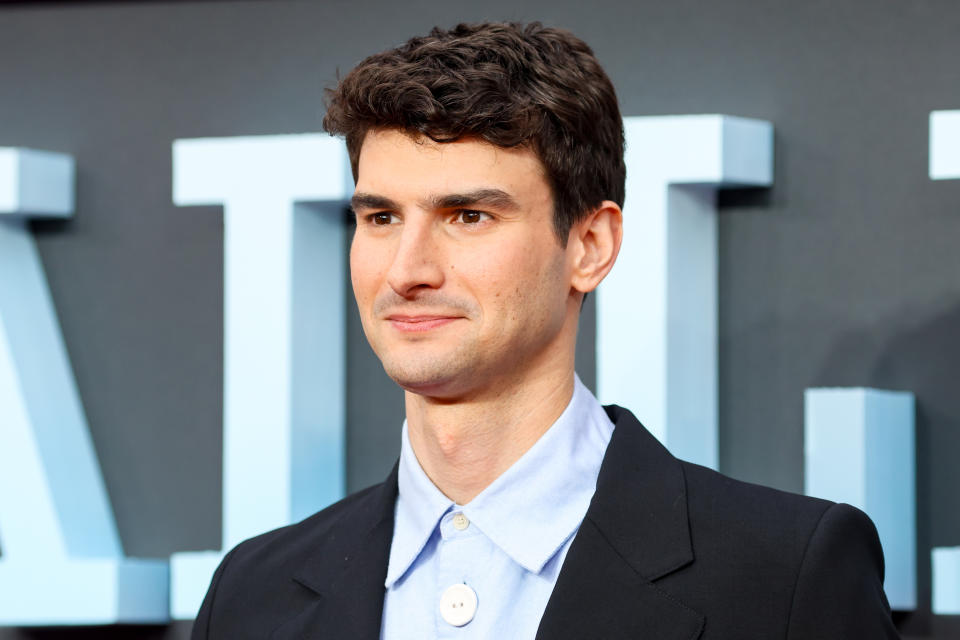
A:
(381, 218)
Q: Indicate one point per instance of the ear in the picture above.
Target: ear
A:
(593, 245)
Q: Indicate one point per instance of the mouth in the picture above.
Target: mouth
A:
(419, 323)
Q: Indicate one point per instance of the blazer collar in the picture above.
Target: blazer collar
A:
(640, 504)
(347, 571)
(635, 532)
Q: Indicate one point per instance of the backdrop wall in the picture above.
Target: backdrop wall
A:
(845, 273)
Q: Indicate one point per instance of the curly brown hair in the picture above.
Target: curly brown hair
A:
(506, 83)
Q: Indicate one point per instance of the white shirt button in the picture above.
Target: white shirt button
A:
(458, 605)
(460, 522)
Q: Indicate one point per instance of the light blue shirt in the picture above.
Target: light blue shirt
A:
(507, 544)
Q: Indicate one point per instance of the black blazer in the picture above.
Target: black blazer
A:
(668, 550)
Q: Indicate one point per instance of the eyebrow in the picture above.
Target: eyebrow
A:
(371, 201)
(485, 197)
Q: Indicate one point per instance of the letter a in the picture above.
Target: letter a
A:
(62, 561)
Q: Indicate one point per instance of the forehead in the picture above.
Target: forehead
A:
(393, 160)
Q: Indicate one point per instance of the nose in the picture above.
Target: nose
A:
(416, 264)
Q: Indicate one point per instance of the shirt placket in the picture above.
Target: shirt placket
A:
(458, 599)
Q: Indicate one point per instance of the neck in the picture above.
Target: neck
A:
(465, 446)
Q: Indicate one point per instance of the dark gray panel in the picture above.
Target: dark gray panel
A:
(845, 273)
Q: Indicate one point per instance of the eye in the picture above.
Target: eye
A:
(381, 218)
(469, 216)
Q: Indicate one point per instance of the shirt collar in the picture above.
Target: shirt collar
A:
(420, 505)
(531, 510)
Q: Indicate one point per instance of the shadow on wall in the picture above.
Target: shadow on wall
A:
(920, 354)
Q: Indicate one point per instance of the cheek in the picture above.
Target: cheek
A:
(518, 285)
(495, 276)
(548, 289)
(364, 272)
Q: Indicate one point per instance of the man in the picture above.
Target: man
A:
(489, 183)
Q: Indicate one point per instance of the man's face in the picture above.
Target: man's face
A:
(460, 280)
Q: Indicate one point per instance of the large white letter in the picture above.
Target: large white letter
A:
(944, 145)
(283, 203)
(657, 311)
(945, 165)
(946, 580)
(62, 558)
(858, 447)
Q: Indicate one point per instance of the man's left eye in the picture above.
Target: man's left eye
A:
(468, 216)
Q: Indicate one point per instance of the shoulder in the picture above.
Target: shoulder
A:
(281, 551)
(719, 497)
(767, 508)
(816, 564)
(733, 517)
(762, 562)
(718, 506)
(259, 582)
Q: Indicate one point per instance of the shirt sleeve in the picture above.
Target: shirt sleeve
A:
(839, 590)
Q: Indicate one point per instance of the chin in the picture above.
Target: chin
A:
(427, 379)
(420, 384)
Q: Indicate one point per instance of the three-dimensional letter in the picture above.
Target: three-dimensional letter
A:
(945, 165)
(62, 559)
(859, 448)
(945, 145)
(284, 331)
(657, 311)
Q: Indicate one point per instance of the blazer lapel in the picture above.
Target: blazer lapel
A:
(634, 532)
(347, 573)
